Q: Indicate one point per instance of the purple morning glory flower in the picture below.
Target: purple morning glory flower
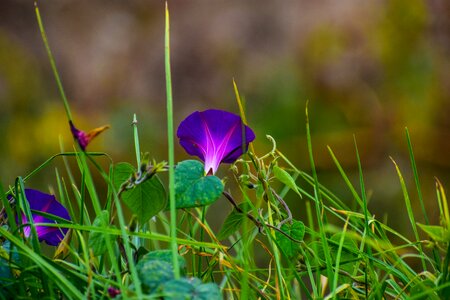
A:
(39, 201)
(215, 136)
(84, 138)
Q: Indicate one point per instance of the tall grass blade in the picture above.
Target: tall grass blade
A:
(170, 140)
(416, 176)
(410, 212)
(419, 192)
(53, 64)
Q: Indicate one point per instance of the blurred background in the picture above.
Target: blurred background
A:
(368, 68)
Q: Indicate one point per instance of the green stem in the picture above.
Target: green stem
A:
(173, 212)
(52, 63)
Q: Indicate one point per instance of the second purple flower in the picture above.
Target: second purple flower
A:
(215, 136)
(46, 203)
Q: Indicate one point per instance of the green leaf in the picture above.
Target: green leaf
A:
(296, 230)
(121, 172)
(163, 255)
(97, 240)
(285, 178)
(145, 199)
(192, 188)
(192, 288)
(437, 233)
(233, 221)
(153, 273)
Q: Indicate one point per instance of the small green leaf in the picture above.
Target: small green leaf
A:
(145, 199)
(296, 230)
(437, 233)
(121, 172)
(192, 188)
(191, 288)
(97, 240)
(285, 178)
(163, 255)
(233, 221)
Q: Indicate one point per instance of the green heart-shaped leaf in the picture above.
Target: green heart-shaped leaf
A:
(193, 188)
(145, 199)
(296, 230)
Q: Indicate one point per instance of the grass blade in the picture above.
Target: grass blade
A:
(52, 63)
(170, 140)
(410, 212)
(319, 204)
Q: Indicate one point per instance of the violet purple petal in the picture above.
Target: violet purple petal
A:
(215, 136)
(39, 201)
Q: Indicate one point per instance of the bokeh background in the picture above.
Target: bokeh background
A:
(368, 68)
